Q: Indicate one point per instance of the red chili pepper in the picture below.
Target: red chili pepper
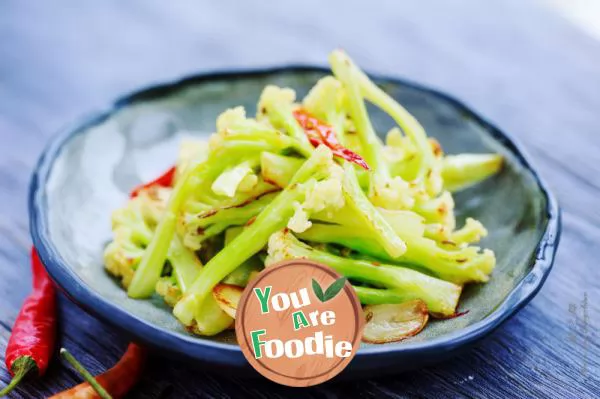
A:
(117, 381)
(319, 132)
(164, 180)
(33, 335)
(31, 343)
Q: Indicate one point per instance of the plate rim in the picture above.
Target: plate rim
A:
(208, 351)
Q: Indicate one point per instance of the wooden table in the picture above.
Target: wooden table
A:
(534, 74)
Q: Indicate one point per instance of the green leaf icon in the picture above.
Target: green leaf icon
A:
(318, 290)
(330, 292)
(334, 288)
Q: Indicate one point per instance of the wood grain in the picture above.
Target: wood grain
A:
(527, 69)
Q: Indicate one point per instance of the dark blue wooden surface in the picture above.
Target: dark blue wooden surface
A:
(517, 62)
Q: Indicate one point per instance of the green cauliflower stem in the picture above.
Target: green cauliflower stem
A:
(198, 227)
(459, 172)
(428, 170)
(375, 224)
(189, 310)
(258, 192)
(358, 206)
(385, 190)
(191, 152)
(245, 272)
(441, 296)
(464, 170)
(277, 106)
(133, 228)
(248, 269)
(278, 169)
(326, 101)
(197, 181)
(458, 265)
(371, 144)
(237, 184)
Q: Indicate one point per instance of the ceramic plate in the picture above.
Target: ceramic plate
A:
(88, 170)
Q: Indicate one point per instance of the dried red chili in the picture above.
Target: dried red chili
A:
(33, 335)
(117, 381)
(319, 132)
(164, 180)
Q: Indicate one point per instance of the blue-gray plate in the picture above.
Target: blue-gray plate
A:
(88, 170)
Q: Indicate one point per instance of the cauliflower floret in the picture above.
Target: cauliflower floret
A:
(277, 248)
(435, 182)
(273, 96)
(228, 182)
(233, 122)
(299, 221)
(153, 202)
(472, 231)
(325, 99)
(276, 109)
(393, 193)
(133, 227)
(438, 210)
(191, 153)
(398, 149)
(168, 289)
(230, 117)
(325, 196)
(122, 256)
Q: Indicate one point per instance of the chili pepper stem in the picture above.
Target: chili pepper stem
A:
(20, 368)
(85, 374)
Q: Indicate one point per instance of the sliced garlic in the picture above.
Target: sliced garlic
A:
(394, 322)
